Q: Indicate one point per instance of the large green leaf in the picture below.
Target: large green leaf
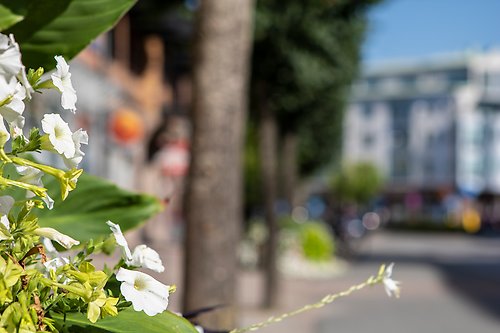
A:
(8, 18)
(131, 321)
(94, 201)
(61, 27)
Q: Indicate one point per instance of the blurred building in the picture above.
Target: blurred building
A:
(430, 125)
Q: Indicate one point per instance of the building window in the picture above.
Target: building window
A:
(492, 80)
(367, 111)
(400, 166)
(368, 140)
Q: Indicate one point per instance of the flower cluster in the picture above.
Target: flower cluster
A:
(145, 293)
(16, 87)
(37, 282)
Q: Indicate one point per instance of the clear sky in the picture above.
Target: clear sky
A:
(401, 29)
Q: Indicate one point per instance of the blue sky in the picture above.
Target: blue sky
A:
(401, 29)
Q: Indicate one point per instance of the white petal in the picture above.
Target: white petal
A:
(55, 263)
(4, 133)
(49, 247)
(66, 241)
(12, 112)
(143, 291)
(120, 240)
(391, 286)
(49, 202)
(388, 270)
(10, 57)
(7, 88)
(6, 203)
(62, 80)
(146, 257)
(79, 137)
(5, 221)
(60, 135)
(132, 295)
(30, 175)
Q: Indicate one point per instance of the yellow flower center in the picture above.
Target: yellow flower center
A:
(139, 284)
(59, 132)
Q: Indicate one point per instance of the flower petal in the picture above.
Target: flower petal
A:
(120, 240)
(62, 80)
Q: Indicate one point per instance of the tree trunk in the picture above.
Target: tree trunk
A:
(213, 203)
(289, 167)
(268, 166)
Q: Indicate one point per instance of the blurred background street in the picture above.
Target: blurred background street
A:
(297, 146)
(450, 283)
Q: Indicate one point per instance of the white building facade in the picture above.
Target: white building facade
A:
(431, 124)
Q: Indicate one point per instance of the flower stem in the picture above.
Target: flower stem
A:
(39, 191)
(4, 157)
(326, 300)
(45, 168)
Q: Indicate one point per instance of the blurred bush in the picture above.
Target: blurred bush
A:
(316, 241)
(357, 183)
(312, 241)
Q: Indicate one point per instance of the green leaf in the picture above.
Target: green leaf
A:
(84, 213)
(8, 18)
(131, 321)
(61, 27)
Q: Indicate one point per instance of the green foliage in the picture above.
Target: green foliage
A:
(8, 18)
(84, 213)
(357, 183)
(316, 241)
(130, 321)
(40, 287)
(58, 27)
(19, 145)
(306, 55)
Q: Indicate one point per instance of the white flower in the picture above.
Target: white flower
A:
(79, 137)
(199, 329)
(54, 264)
(11, 64)
(146, 257)
(33, 176)
(12, 111)
(62, 80)
(7, 87)
(4, 133)
(143, 256)
(60, 136)
(391, 286)
(5, 221)
(10, 57)
(30, 175)
(49, 202)
(16, 131)
(6, 203)
(120, 240)
(49, 247)
(50, 233)
(145, 293)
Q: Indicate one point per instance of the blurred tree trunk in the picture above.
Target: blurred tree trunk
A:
(289, 167)
(213, 203)
(268, 135)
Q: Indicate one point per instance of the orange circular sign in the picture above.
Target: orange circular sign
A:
(126, 126)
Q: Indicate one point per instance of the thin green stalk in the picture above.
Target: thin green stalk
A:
(326, 300)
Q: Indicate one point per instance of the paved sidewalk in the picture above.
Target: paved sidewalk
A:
(451, 283)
